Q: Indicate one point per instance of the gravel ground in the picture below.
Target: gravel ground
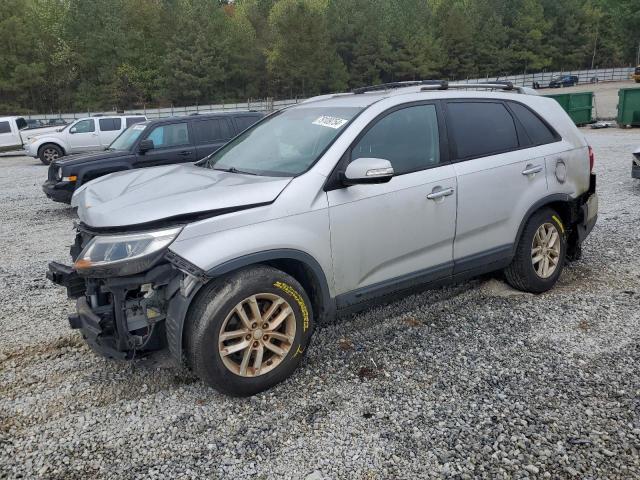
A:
(475, 380)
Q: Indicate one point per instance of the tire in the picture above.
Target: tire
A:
(49, 152)
(216, 309)
(523, 274)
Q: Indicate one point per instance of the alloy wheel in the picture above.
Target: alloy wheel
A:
(257, 335)
(545, 250)
(50, 154)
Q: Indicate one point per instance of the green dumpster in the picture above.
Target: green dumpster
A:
(577, 105)
(629, 106)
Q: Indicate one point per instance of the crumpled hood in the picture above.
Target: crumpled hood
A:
(150, 194)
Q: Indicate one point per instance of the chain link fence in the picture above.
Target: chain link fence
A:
(269, 104)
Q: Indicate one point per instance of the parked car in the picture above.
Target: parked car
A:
(563, 81)
(10, 133)
(147, 144)
(324, 208)
(635, 164)
(57, 122)
(636, 74)
(35, 123)
(83, 135)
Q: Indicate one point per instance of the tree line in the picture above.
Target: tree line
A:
(88, 55)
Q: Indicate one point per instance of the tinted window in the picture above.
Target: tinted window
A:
(408, 138)
(215, 129)
(537, 131)
(4, 127)
(134, 120)
(84, 126)
(170, 135)
(481, 128)
(245, 122)
(109, 124)
(21, 123)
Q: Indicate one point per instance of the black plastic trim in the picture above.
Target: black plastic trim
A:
(393, 286)
(280, 254)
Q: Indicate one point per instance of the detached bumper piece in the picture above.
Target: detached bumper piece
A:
(97, 330)
(67, 277)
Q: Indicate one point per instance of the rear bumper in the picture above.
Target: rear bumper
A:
(58, 191)
(588, 210)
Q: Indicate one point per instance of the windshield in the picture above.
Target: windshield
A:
(285, 144)
(126, 139)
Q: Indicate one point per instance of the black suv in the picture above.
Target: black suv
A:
(147, 144)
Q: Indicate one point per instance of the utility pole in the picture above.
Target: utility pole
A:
(595, 45)
(638, 55)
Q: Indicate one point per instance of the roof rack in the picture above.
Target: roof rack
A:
(410, 83)
(427, 85)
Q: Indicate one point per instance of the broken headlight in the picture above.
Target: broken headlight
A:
(119, 255)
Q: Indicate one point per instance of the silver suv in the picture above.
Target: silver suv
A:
(321, 209)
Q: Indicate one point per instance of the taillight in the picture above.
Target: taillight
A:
(592, 160)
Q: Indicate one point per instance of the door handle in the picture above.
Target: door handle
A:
(184, 153)
(438, 192)
(532, 169)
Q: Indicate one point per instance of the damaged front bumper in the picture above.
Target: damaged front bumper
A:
(122, 317)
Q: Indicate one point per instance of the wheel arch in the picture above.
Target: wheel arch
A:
(562, 203)
(88, 173)
(300, 265)
(46, 142)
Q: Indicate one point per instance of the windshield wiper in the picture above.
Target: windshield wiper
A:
(234, 170)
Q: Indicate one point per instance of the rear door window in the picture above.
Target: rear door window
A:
(211, 130)
(109, 124)
(172, 135)
(5, 127)
(408, 138)
(536, 129)
(480, 129)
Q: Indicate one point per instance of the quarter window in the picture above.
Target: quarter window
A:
(481, 129)
(133, 120)
(110, 124)
(408, 138)
(245, 122)
(170, 135)
(537, 131)
(4, 127)
(85, 126)
(212, 130)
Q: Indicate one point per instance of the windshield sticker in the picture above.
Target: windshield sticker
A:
(138, 127)
(331, 122)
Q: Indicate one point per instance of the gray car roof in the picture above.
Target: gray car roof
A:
(366, 99)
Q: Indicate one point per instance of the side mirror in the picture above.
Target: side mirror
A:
(368, 170)
(72, 130)
(145, 145)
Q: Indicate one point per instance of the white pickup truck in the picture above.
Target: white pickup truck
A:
(14, 133)
(82, 135)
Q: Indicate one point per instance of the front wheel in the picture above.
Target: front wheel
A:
(49, 152)
(249, 331)
(540, 254)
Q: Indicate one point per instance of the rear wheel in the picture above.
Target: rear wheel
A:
(248, 331)
(540, 254)
(49, 152)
